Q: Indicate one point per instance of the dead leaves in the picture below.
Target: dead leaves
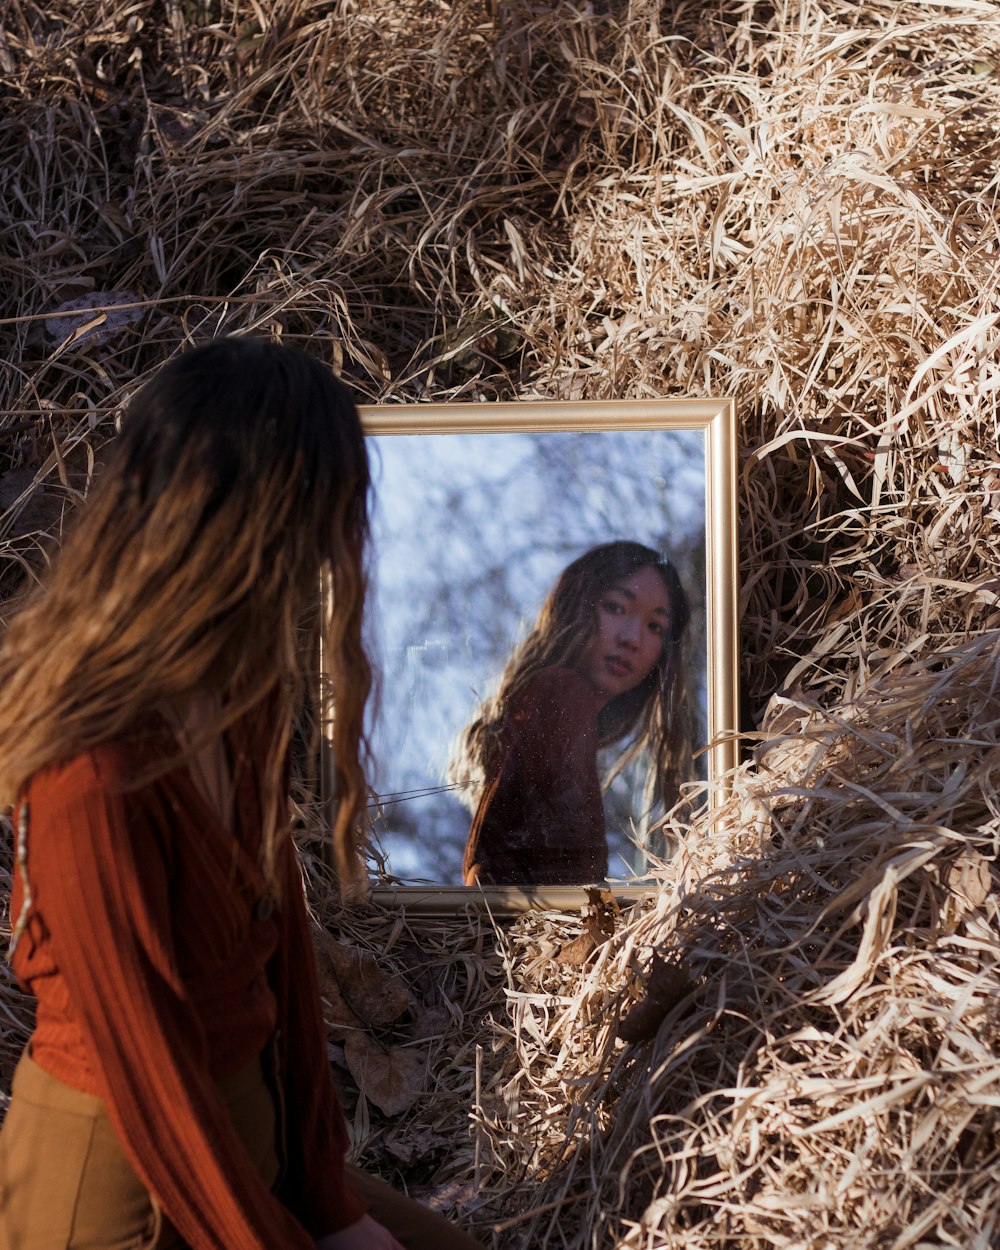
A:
(359, 990)
(374, 1014)
(969, 883)
(600, 917)
(93, 319)
(667, 985)
(409, 1145)
(392, 1077)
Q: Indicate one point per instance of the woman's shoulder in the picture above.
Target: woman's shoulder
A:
(106, 768)
(100, 798)
(559, 686)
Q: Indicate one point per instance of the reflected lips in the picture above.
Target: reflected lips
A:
(617, 666)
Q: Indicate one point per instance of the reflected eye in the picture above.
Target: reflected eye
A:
(612, 607)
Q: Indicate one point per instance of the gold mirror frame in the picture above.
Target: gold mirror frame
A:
(717, 418)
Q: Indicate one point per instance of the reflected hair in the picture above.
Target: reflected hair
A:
(239, 474)
(654, 716)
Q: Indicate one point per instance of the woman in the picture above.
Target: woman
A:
(175, 1092)
(602, 664)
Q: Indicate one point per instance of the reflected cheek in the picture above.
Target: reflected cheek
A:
(606, 635)
(650, 661)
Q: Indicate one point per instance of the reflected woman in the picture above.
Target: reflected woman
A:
(601, 665)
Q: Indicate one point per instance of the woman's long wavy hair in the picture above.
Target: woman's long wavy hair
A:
(653, 716)
(239, 474)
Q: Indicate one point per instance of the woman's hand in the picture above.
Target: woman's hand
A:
(366, 1234)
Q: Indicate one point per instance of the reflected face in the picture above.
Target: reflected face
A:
(633, 619)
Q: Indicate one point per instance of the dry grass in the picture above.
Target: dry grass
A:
(794, 204)
(832, 1079)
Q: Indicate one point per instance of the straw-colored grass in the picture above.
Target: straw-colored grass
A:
(794, 204)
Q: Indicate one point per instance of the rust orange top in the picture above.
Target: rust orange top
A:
(159, 967)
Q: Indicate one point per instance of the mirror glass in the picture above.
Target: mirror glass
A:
(471, 533)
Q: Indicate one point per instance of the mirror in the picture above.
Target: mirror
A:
(622, 514)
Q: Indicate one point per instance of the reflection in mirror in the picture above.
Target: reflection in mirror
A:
(540, 618)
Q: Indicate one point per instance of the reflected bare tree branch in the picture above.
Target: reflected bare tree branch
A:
(470, 532)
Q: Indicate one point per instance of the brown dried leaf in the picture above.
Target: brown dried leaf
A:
(340, 1019)
(454, 1195)
(970, 882)
(578, 951)
(411, 1144)
(429, 1022)
(390, 1077)
(92, 326)
(602, 913)
(358, 989)
(668, 984)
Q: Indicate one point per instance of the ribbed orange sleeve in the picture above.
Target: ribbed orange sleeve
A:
(316, 1136)
(105, 885)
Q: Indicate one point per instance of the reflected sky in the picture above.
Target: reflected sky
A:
(470, 531)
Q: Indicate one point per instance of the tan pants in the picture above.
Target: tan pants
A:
(66, 1183)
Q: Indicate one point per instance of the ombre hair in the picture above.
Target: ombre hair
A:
(653, 716)
(239, 474)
